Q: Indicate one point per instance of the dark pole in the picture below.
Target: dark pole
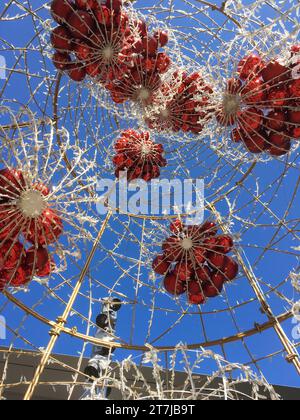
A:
(106, 326)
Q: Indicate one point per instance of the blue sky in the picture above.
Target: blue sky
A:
(106, 269)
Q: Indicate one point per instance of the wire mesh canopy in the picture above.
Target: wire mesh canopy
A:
(174, 90)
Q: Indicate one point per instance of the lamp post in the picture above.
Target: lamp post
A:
(100, 358)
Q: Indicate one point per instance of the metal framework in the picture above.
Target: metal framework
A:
(238, 198)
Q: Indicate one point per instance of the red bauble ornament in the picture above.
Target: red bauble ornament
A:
(295, 132)
(199, 255)
(278, 96)
(250, 66)
(150, 46)
(80, 24)
(3, 281)
(45, 229)
(255, 142)
(61, 39)
(184, 112)
(121, 161)
(195, 293)
(203, 274)
(173, 285)
(230, 268)
(92, 69)
(162, 63)
(82, 4)
(46, 271)
(12, 183)
(224, 244)
(172, 249)
(294, 88)
(253, 91)
(250, 119)
(61, 60)
(36, 260)
(209, 228)
(294, 116)
(218, 280)
(161, 265)
(42, 189)
(15, 278)
(115, 5)
(104, 16)
(210, 244)
(83, 51)
(162, 37)
(9, 225)
(61, 10)
(274, 72)
(234, 86)
(275, 120)
(87, 4)
(215, 259)
(176, 226)
(295, 49)
(183, 271)
(77, 72)
(11, 255)
(7, 232)
(215, 286)
(280, 144)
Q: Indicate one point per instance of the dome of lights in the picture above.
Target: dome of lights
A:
(149, 190)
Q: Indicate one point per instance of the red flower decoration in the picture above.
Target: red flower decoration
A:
(250, 66)
(16, 278)
(45, 229)
(25, 215)
(173, 285)
(275, 72)
(195, 260)
(61, 10)
(160, 265)
(11, 255)
(138, 155)
(36, 260)
(263, 105)
(12, 183)
(98, 40)
(185, 110)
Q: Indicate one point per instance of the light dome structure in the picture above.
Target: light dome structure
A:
(220, 301)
